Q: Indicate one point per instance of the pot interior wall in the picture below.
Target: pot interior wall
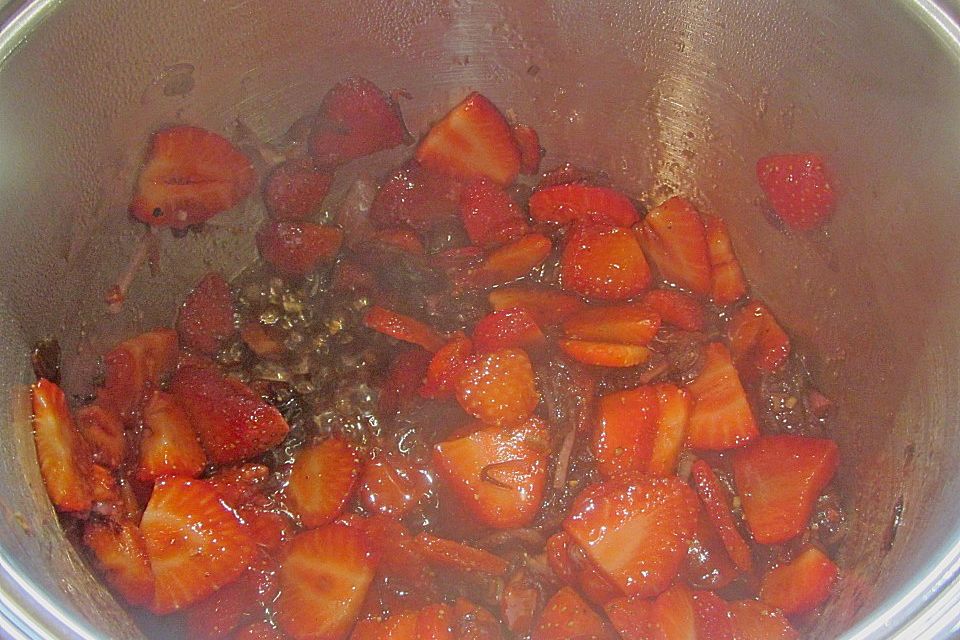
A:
(668, 98)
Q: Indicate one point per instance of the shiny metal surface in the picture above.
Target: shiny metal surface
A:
(667, 97)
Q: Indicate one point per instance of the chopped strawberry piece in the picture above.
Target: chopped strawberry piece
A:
(713, 616)
(498, 387)
(507, 329)
(295, 189)
(605, 354)
(433, 622)
(799, 188)
(520, 600)
(716, 504)
(456, 556)
(631, 617)
(499, 474)
(195, 544)
(636, 529)
(324, 577)
(263, 341)
(673, 414)
(674, 616)
(511, 261)
(489, 215)
(445, 367)
(528, 142)
(231, 606)
(754, 621)
(63, 455)
(190, 175)
(801, 585)
(548, 307)
(401, 239)
(322, 481)
(356, 119)
(626, 428)
(258, 631)
(393, 486)
(393, 544)
(415, 197)
(727, 282)
(721, 417)
(121, 556)
(589, 581)
(270, 529)
(169, 445)
(758, 343)
(604, 262)
(633, 323)
(676, 308)
(206, 317)
(779, 479)
(134, 368)
(401, 327)
(404, 378)
(473, 139)
(102, 429)
(297, 249)
(674, 239)
(568, 617)
(233, 422)
(241, 485)
(566, 203)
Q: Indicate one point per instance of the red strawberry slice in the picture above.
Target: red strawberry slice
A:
(779, 479)
(102, 429)
(511, 261)
(134, 368)
(625, 432)
(801, 585)
(489, 215)
(206, 317)
(190, 175)
(754, 621)
(499, 474)
(528, 142)
(604, 262)
(233, 422)
(356, 119)
(631, 617)
(121, 556)
(473, 139)
(445, 367)
(393, 485)
(415, 197)
(297, 249)
(673, 415)
(498, 387)
(169, 445)
(676, 308)
(258, 631)
(633, 323)
(604, 354)
(721, 417)
(568, 617)
(713, 617)
(799, 187)
(548, 307)
(459, 557)
(758, 343)
(401, 239)
(396, 325)
(717, 506)
(636, 529)
(404, 378)
(506, 329)
(324, 577)
(63, 455)
(674, 239)
(295, 189)
(433, 622)
(322, 481)
(566, 203)
(727, 281)
(231, 606)
(195, 544)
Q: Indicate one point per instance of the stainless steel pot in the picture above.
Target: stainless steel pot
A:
(669, 97)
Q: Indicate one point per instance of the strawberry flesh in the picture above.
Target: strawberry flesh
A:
(633, 323)
(528, 142)
(102, 429)
(604, 262)
(120, 554)
(506, 329)
(567, 203)
(721, 417)
(297, 249)
(206, 318)
(566, 616)
(415, 197)
(498, 387)
(64, 456)
(799, 188)
(625, 432)
(323, 479)
(674, 239)
(489, 215)
(604, 354)
(727, 281)
(548, 307)
(134, 369)
(295, 189)
(758, 343)
(169, 445)
(801, 585)
(404, 328)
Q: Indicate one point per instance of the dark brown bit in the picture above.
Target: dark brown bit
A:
(890, 533)
(45, 359)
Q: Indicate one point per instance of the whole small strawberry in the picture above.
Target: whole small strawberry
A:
(799, 188)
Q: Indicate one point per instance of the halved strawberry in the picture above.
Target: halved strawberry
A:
(566, 203)
(631, 617)
(489, 215)
(779, 479)
(102, 429)
(322, 481)
(604, 262)
(402, 239)
(676, 308)
(473, 139)
(499, 474)
(445, 367)
(404, 377)
(758, 343)
(674, 239)
(568, 617)
(206, 317)
(633, 323)
(121, 556)
(415, 197)
(801, 585)
(717, 507)
(324, 577)
(625, 432)
(233, 422)
(195, 544)
(528, 142)
(673, 415)
(721, 417)
(258, 631)
(727, 282)
(506, 329)
(295, 189)
(356, 119)
(511, 261)
(636, 529)
(752, 620)
(63, 455)
(169, 445)
(459, 557)
(298, 249)
(189, 176)
(498, 387)
(548, 307)
(799, 188)
(396, 325)
(231, 606)
(604, 354)
(134, 368)
(393, 485)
